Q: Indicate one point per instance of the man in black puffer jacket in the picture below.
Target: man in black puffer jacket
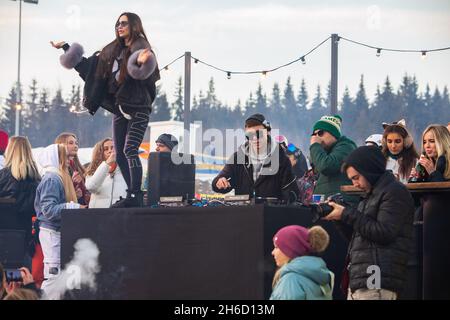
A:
(382, 228)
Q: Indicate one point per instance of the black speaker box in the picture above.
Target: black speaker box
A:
(169, 179)
(12, 248)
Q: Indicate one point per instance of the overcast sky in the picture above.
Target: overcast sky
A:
(242, 35)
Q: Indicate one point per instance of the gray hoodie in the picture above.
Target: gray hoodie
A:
(50, 196)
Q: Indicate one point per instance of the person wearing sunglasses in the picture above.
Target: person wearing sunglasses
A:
(121, 79)
(327, 152)
(260, 167)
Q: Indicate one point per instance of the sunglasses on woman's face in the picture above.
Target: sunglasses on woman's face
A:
(122, 24)
(318, 133)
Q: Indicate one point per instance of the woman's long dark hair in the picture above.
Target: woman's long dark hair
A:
(112, 50)
(409, 155)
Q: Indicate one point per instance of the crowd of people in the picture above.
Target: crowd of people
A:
(121, 78)
(379, 227)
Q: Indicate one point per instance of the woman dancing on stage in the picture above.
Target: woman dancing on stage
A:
(121, 79)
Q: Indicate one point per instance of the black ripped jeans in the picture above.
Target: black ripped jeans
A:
(127, 137)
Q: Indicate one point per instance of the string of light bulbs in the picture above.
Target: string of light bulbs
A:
(379, 49)
(302, 58)
(166, 67)
(265, 71)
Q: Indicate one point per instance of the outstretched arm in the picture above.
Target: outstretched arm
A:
(72, 56)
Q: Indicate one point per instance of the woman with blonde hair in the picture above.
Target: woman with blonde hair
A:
(435, 158)
(76, 169)
(302, 274)
(103, 177)
(55, 193)
(22, 294)
(19, 180)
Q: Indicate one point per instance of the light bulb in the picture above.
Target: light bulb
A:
(378, 52)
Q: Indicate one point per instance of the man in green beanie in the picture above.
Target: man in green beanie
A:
(327, 152)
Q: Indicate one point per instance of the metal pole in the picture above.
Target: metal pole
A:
(19, 95)
(187, 100)
(334, 73)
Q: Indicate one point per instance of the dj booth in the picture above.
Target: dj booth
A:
(188, 252)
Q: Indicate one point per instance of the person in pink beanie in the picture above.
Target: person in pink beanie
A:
(301, 274)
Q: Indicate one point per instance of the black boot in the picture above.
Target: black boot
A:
(133, 199)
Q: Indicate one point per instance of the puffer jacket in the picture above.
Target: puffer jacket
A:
(23, 192)
(382, 234)
(105, 188)
(328, 163)
(304, 278)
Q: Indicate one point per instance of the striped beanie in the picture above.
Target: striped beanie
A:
(331, 124)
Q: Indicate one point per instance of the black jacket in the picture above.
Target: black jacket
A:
(301, 166)
(23, 192)
(382, 234)
(438, 174)
(279, 184)
(132, 93)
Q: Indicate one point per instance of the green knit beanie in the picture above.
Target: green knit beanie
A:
(331, 124)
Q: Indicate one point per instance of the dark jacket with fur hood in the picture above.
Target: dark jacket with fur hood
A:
(276, 179)
(138, 90)
(382, 234)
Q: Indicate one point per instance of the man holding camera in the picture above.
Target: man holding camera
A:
(260, 168)
(382, 227)
(327, 152)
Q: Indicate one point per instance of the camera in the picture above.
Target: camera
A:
(13, 275)
(321, 210)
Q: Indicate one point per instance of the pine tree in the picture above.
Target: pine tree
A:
(178, 105)
(236, 115)
(413, 110)
(289, 102)
(30, 109)
(328, 98)
(444, 110)
(250, 106)
(347, 110)
(43, 101)
(387, 107)
(426, 100)
(261, 101)
(360, 118)
(302, 98)
(60, 116)
(275, 107)
(212, 107)
(3, 109)
(161, 110)
(10, 111)
(317, 110)
(361, 102)
(211, 98)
